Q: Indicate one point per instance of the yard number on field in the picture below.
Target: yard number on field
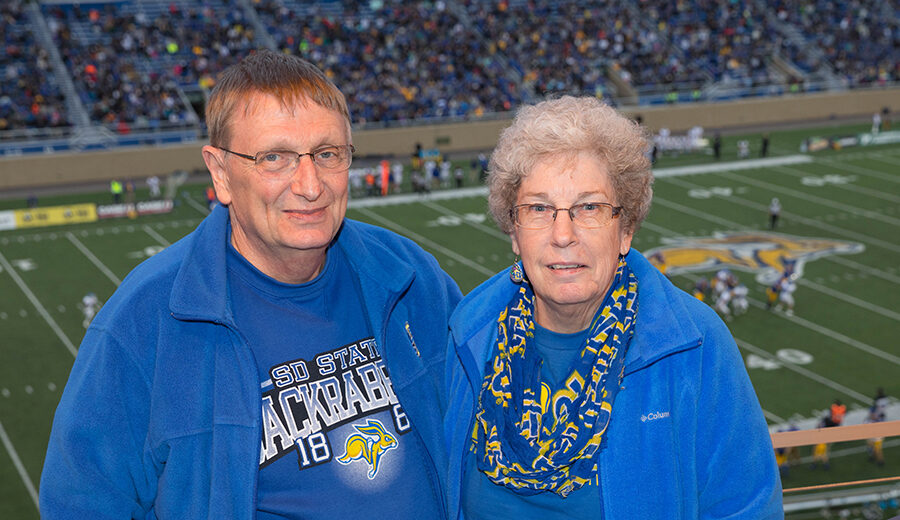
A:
(146, 252)
(714, 191)
(24, 264)
(453, 220)
(786, 355)
(827, 179)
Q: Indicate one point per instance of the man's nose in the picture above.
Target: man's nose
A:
(305, 180)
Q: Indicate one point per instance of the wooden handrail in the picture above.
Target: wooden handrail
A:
(836, 434)
(842, 484)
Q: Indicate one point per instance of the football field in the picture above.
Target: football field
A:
(840, 225)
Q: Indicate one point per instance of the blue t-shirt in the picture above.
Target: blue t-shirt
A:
(335, 441)
(483, 500)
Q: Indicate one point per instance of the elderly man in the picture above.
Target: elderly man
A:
(280, 361)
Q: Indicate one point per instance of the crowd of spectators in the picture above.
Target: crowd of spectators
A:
(573, 45)
(560, 47)
(860, 39)
(399, 61)
(128, 64)
(29, 95)
(726, 41)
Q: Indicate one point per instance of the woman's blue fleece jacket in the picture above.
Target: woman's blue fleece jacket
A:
(687, 438)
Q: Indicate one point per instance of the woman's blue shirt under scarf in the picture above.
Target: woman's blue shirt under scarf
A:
(482, 499)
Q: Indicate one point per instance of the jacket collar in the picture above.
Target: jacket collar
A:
(663, 324)
(200, 291)
(382, 273)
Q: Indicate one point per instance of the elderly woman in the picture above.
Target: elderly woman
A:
(583, 384)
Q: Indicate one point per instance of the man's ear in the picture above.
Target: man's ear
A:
(215, 163)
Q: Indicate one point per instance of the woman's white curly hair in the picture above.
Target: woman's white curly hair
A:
(561, 128)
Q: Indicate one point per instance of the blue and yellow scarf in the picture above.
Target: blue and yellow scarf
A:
(529, 440)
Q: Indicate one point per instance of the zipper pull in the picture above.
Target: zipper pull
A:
(411, 340)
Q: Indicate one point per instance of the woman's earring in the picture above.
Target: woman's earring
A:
(515, 273)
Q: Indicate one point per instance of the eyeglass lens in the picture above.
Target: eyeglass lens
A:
(587, 215)
(328, 158)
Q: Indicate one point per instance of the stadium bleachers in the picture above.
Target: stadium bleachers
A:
(130, 59)
(558, 47)
(724, 41)
(401, 62)
(136, 64)
(29, 94)
(858, 40)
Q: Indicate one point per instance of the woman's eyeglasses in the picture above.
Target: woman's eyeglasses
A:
(587, 215)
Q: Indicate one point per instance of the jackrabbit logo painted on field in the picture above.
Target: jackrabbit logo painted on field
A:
(370, 444)
(766, 254)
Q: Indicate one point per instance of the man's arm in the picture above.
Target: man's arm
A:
(95, 465)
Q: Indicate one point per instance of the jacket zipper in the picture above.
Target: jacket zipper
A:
(411, 340)
(432, 466)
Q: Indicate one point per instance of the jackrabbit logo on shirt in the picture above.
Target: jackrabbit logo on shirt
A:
(369, 445)
(307, 399)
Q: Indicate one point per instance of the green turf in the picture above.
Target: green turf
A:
(845, 326)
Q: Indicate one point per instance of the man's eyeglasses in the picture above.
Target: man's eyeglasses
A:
(589, 215)
(278, 162)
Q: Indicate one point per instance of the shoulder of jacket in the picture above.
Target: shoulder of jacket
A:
(482, 305)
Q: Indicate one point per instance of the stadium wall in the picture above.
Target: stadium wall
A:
(137, 163)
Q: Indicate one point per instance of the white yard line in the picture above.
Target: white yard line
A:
(870, 192)
(772, 417)
(864, 268)
(426, 242)
(882, 175)
(783, 190)
(196, 205)
(850, 299)
(818, 287)
(481, 227)
(855, 156)
(411, 198)
(890, 246)
(841, 163)
(20, 468)
(37, 305)
(864, 399)
(806, 323)
(98, 230)
(156, 236)
(747, 164)
(697, 213)
(825, 331)
(93, 258)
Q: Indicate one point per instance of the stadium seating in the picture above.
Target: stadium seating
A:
(858, 40)
(562, 47)
(402, 62)
(722, 41)
(130, 59)
(136, 63)
(29, 94)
